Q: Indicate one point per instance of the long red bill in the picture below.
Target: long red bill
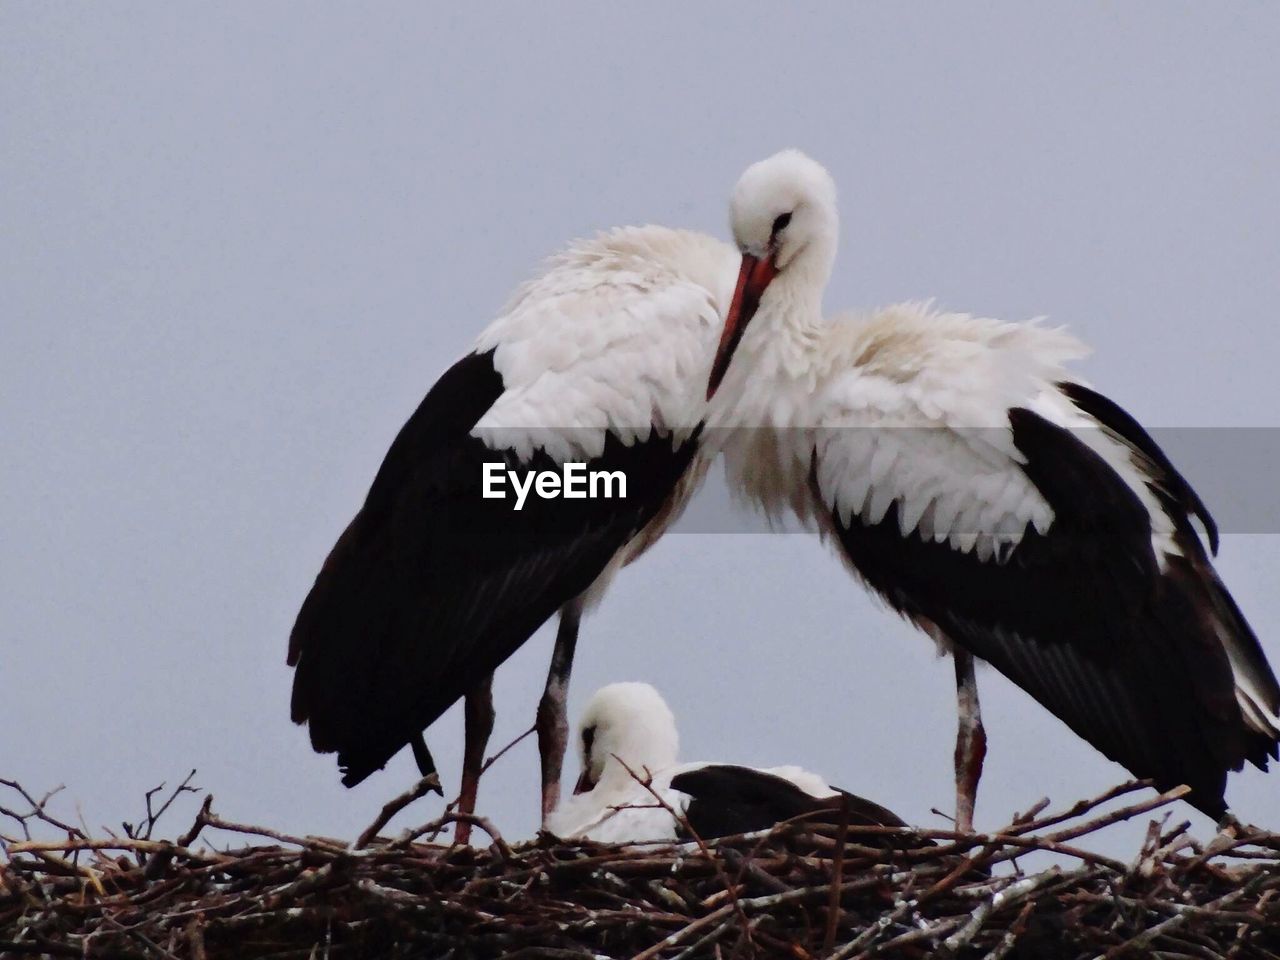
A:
(753, 278)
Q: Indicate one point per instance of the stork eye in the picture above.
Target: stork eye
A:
(781, 222)
(588, 738)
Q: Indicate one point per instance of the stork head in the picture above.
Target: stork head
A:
(629, 721)
(784, 220)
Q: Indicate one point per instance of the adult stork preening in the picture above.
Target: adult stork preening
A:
(602, 360)
(633, 789)
(991, 498)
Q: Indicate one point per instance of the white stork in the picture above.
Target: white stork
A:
(602, 360)
(632, 789)
(991, 498)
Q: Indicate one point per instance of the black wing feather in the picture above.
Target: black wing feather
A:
(726, 799)
(1083, 618)
(1169, 484)
(432, 587)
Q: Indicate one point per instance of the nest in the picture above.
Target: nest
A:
(796, 891)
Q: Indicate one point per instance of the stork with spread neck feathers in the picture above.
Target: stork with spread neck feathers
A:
(991, 498)
(632, 789)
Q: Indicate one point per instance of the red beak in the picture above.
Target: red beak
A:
(584, 783)
(753, 278)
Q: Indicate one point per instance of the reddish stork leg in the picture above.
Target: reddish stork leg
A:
(478, 718)
(971, 741)
(552, 724)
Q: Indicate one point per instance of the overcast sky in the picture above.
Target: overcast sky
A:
(238, 243)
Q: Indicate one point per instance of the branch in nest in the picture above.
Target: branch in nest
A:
(790, 891)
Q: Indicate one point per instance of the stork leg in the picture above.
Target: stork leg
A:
(478, 718)
(971, 741)
(552, 724)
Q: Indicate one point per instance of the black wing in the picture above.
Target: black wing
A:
(431, 587)
(1133, 658)
(1176, 494)
(726, 800)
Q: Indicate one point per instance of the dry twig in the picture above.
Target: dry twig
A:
(795, 891)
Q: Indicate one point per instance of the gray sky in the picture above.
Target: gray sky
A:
(241, 241)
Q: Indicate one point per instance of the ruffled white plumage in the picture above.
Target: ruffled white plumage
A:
(910, 406)
(615, 336)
